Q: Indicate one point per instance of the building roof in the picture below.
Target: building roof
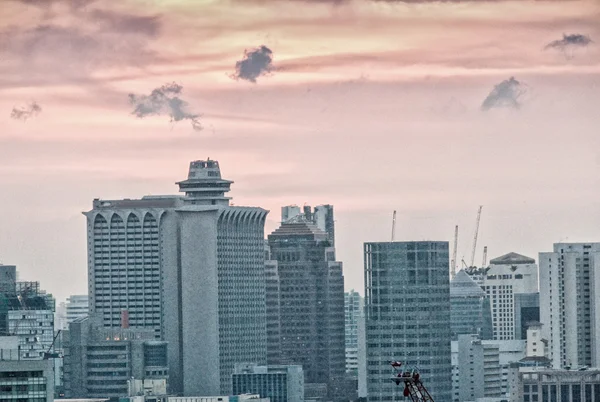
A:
(298, 228)
(512, 259)
(463, 286)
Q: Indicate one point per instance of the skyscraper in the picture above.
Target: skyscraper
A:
(569, 294)
(321, 216)
(505, 277)
(353, 305)
(470, 312)
(407, 308)
(311, 293)
(192, 268)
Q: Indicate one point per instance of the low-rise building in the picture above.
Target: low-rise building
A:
(23, 380)
(100, 361)
(278, 383)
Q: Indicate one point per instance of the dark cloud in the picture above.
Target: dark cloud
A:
(23, 113)
(164, 101)
(256, 62)
(570, 42)
(505, 94)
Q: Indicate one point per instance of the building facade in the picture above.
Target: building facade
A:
(99, 361)
(353, 306)
(77, 306)
(311, 293)
(160, 257)
(321, 216)
(278, 383)
(481, 368)
(470, 311)
(505, 277)
(407, 314)
(569, 293)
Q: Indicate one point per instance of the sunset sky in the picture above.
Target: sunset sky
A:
(372, 106)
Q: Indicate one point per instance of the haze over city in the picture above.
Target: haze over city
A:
(370, 106)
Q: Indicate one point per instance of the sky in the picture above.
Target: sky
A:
(372, 106)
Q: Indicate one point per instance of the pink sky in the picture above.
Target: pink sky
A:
(374, 106)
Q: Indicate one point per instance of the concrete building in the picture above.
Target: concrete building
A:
(162, 257)
(505, 277)
(470, 311)
(273, 303)
(362, 357)
(480, 368)
(99, 361)
(353, 307)
(321, 216)
(551, 385)
(23, 380)
(569, 294)
(278, 383)
(407, 312)
(77, 306)
(311, 291)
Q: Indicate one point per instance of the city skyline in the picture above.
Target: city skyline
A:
(383, 115)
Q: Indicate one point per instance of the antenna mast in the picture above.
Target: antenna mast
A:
(476, 234)
(394, 227)
(453, 263)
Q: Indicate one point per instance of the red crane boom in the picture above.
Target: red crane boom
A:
(413, 387)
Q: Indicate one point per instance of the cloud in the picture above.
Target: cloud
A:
(73, 42)
(164, 100)
(570, 42)
(255, 63)
(505, 94)
(23, 113)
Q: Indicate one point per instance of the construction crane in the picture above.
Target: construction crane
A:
(394, 226)
(453, 264)
(413, 387)
(53, 355)
(484, 257)
(476, 234)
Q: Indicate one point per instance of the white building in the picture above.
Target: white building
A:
(77, 306)
(505, 277)
(569, 294)
(480, 369)
(190, 267)
(278, 383)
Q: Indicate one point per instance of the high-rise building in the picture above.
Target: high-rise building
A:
(480, 368)
(192, 268)
(99, 361)
(321, 216)
(311, 294)
(353, 306)
(407, 310)
(470, 312)
(569, 294)
(278, 383)
(505, 277)
(77, 306)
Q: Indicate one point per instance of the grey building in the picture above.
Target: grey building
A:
(278, 383)
(99, 361)
(407, 309)
(470, 311)
(77, 306)
(23, 380)
(551, 385)
(190, 267)
(527, 310)
(569, 294)
(353, 306)
(321, 216)
(311, 293)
